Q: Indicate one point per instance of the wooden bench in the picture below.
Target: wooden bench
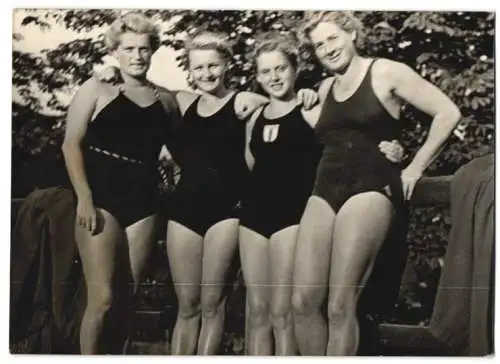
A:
(396, 338)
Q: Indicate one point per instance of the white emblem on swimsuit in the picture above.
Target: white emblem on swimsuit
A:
(270, 133)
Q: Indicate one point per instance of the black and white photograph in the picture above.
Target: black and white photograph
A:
(252, 182)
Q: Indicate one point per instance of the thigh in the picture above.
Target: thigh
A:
(313, 249)
(219, 248)
(356, 245)
(254, 255)
(140, 238)
(99, 252)
(281, 254)
(185, 252)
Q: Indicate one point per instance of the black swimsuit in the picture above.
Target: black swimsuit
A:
(286, 154)
(210, 153)
(120, 151)
(352, 163)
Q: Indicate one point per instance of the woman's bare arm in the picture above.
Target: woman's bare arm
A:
(412, 88)
(431, 100)
(79, 115)
(247, 102)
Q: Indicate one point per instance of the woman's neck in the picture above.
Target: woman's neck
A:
(351, 73)
(284, 102)
(220, 93)
(278, 107)
(134, 81)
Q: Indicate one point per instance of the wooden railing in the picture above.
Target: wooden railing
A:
(430, 191)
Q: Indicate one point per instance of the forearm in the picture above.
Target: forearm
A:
(249, 159)
(75, 166)
(441, 128)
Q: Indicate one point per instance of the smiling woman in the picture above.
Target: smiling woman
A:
(202, 233)
(360, 107)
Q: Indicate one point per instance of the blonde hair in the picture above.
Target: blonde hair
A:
(205, 39)
(134, 22)
(345, 20)
(286, 43)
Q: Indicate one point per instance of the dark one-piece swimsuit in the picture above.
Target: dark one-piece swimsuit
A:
(210, 154)
(351, 162)
(286, 154)
(121, 150)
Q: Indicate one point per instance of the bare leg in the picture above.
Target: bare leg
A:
(282, 248)
(185, 250)
(98, 254)
(247, 314)
(140, 241)
(219, 247)
(140, 237)
(355, 247)
(311, 268)
(254, 257)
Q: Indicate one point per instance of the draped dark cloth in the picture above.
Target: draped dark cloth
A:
(47, 289)
(463, 313)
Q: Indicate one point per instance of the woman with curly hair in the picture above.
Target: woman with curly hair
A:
(358, 194)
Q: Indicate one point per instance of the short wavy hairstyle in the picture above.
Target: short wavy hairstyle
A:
(345, 20)
(209, 40)
(286, 43)
(133, 22)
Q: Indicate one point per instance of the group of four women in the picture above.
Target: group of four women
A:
(307, 184)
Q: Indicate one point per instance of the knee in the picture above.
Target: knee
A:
(258, 314)
(189, 309)
(211, 304)
(100, 301)
(305, 302)
(281, 316)
(339, 311)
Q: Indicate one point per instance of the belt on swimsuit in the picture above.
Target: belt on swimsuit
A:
(115, 155)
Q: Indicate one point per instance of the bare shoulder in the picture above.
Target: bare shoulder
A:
(167, 94)
(184, 99)
(185, 96)
(93, 88)
(88, 100)
(91, 94)
(391, 70)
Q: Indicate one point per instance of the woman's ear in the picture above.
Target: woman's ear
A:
(354, 36)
